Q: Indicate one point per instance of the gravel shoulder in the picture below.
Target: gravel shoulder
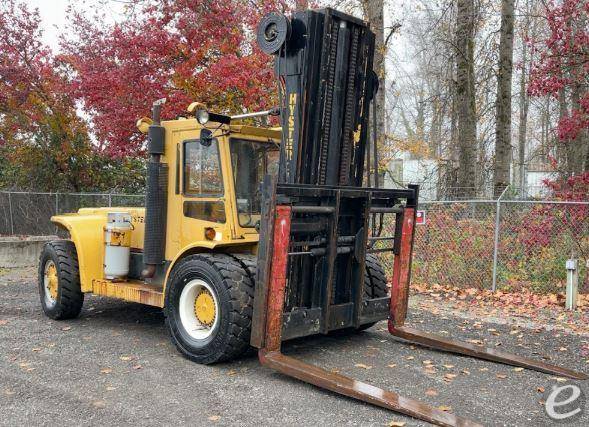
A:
(115, 365)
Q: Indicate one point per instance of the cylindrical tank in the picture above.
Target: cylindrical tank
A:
(117, 241)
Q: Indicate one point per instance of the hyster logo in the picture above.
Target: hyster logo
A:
(292, 105)
(564, 403)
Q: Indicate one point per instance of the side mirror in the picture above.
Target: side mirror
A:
(206, 137)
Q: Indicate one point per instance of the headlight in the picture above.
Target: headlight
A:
(202, 116)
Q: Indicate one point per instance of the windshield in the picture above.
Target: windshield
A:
(251, 161)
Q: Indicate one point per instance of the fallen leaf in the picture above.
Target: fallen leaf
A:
(431, 392)
(36, 349)
(483, 369)
(362, 365)
(561, 380)
(214, 418)
(125, 358)
(105, 370)
(563, 349)
(540, 389)
(444, 408)
(427, 362)
(392, 365)
(137, 367)
(66, 328)
(110, 388)
(450, 377)
(501, 376)
(99, 404)
(518, 369)
(3, 322)
(410, 357)
(232, 372)
(448, 366)
(397, 424)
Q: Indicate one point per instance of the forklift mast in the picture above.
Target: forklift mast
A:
(324, 69)
(323, 64)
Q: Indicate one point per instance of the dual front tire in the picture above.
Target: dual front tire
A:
(209, 306)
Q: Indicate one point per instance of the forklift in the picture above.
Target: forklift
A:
(253, 235)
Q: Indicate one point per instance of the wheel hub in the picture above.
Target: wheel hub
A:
(204, 308)
(52, 281)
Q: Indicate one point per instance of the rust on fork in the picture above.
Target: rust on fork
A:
(360, 390)
(480, 352)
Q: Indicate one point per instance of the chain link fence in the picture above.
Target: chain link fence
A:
(485, 244)
(502, 244)
(26, 213)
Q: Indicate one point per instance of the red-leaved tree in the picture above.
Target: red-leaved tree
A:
(182, 50)
(562, 71)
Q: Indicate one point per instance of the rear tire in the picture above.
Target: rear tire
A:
(231, 287)
(59, 280)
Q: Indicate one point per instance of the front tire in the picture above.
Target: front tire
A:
(59, 280)
(209, 306)
(375, 283)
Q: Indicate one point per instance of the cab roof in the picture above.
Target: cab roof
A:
(273, 133)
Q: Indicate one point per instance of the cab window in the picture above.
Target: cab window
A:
(251, 161)
(202, 169)
(203, 179)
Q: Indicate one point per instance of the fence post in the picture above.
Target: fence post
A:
(10, 214)
(56, 203)
(496, 245)
(572, 284)
(109, 200)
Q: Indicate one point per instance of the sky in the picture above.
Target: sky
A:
(53, 14)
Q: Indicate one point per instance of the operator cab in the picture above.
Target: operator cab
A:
(250, 161)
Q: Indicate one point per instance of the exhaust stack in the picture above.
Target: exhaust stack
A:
(156, 199)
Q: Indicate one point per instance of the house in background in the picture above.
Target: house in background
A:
(406, 169)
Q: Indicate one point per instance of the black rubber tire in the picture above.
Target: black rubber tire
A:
(377, 278)
(70, 298)
(234, 289)
(375, 283)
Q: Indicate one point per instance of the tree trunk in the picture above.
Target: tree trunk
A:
(562, 145)
(503, 102)
(465, 97)
(522, 131)
(374, 12)
(577, 147)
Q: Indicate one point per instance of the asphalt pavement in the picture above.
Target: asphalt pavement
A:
(115, 365)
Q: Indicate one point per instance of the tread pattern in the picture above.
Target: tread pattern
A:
(70, 297)
(377, 278)
(240, 286)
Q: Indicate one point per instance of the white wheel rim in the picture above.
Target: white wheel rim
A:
(188, 318)
(49, 300)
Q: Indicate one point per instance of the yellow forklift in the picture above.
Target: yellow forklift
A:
(253, 235)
